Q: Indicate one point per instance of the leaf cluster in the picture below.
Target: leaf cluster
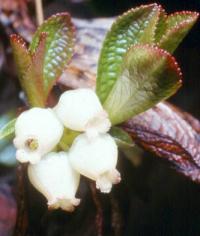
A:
(135, 70)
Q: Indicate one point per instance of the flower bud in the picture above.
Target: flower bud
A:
(96, 159)
(81, 110)
(54, 177)
(37, 132)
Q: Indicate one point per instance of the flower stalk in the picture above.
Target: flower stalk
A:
(39, 12)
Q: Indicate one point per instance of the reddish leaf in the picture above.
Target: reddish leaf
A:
(21, 56)
(164, 131)
(30, 69)
(34, 74)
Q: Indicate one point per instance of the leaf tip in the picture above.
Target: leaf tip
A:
(64, 15)
(194, 14)
(150, 6)
(15, 38)
(192, 18)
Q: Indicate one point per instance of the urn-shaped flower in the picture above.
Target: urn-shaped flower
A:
(54, 177)
(96, 159)
(37, 132)
(81, 110)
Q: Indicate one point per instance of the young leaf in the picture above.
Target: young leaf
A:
(21, 57)
(122, 138)
(175, 29)
(148, 76)
(34, 75)
(135, 26)
(58, 48)
(8, 129)
(161, 25)
(23, 63)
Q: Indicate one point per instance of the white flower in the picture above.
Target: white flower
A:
(96, 159)
(81, 110)
(54, 177)
(37, 132)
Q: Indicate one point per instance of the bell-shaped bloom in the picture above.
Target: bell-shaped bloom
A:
(81, 110)
(96, 159)
(54, 177)
(37, 132)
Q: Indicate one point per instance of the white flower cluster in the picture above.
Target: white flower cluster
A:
(93, 153)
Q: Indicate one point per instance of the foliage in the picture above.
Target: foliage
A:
(148, 76)
(115, 82)
(134, 72)
(49, 52)
(7, 149)
(7, 130)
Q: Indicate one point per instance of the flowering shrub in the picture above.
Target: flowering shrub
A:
(135, 72)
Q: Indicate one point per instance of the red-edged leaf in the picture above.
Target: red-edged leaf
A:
(161, 25)
(58, 48)
(176, 27)
(164, 131)
(34, 75)
(138, 25)
(28, 68)
(21, 57)
(148, 75)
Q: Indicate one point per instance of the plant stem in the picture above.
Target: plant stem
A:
(99, 214)
(39, 11)
(21, 226)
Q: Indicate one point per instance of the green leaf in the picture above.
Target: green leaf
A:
(122, 138)
(7, 150)
(59, 47)
(135, 26)
(161, 25)
(8, 130)
(4, 119)
(148, 76)
(176, 27)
